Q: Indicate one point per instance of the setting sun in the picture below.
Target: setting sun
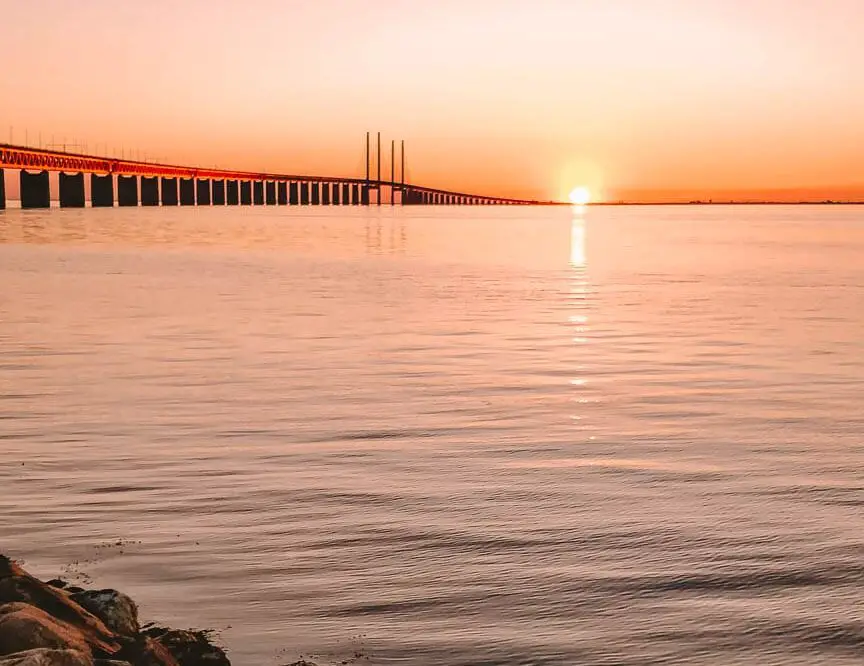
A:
(580, 196)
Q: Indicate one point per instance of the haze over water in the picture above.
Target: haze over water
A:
(446, 436)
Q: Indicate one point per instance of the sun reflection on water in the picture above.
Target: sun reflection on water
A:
(579, 301)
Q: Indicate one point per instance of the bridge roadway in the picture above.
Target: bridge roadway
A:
(133, 183)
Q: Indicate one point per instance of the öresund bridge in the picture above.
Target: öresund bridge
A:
(124, 182)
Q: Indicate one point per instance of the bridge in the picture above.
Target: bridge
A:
(132, 182)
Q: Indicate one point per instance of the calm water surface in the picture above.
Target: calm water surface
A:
(449, 436)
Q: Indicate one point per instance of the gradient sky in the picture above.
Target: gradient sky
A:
(649, 99)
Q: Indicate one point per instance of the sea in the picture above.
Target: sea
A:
(449, 436)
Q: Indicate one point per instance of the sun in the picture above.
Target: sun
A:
(580, 196)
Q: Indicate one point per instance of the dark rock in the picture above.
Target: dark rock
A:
(190, 647)
(46, 657)
(109, 662)
(115, 609)
(25, 627)
(9, 567)
(58, 583)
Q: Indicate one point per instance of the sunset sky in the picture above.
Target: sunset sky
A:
(644, 99)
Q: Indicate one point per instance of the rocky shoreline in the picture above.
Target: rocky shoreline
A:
(55, 624)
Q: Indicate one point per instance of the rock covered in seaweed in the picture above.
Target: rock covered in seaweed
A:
(190, 648)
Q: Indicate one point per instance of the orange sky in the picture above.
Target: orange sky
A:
(652, 99)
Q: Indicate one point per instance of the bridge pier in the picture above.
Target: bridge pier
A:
(2, 190)
(127, 190)
(218, 192)
(337, 194)
(149, 191)
(325, 194)
(316, 194)
(293, 193)
(35, 190)
(270, 193)
(245, 192)
(187, 191)
(355, 194)
(258, 192)
(346, 194)
(72, 190)
(232, 192)
(101, 191)
(202, 192)
(282, 193)
(364, 195)
(169, 192)
(304, 194)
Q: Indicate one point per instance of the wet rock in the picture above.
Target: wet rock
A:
(56, 624)
(115, 609)
(20, 587)
(46, 657)
(190, 648)
(25, 627)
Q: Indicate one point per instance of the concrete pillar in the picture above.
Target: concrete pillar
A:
(169, 192)
(282, 193)
(72, 190)
(316, 194)
(127, 190)
(35, 190)
(293, 194)
(149, 191)
(258, 192)
(101, 191)
(325, 194)
(245, 193)
(218, 192)
(346, 194)
(337, 194)
(270, 193)
(202, 191)
(304, 194)
(187, 191)
(365, 195)
(232, 192)
(355, 194)
(2, 189)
